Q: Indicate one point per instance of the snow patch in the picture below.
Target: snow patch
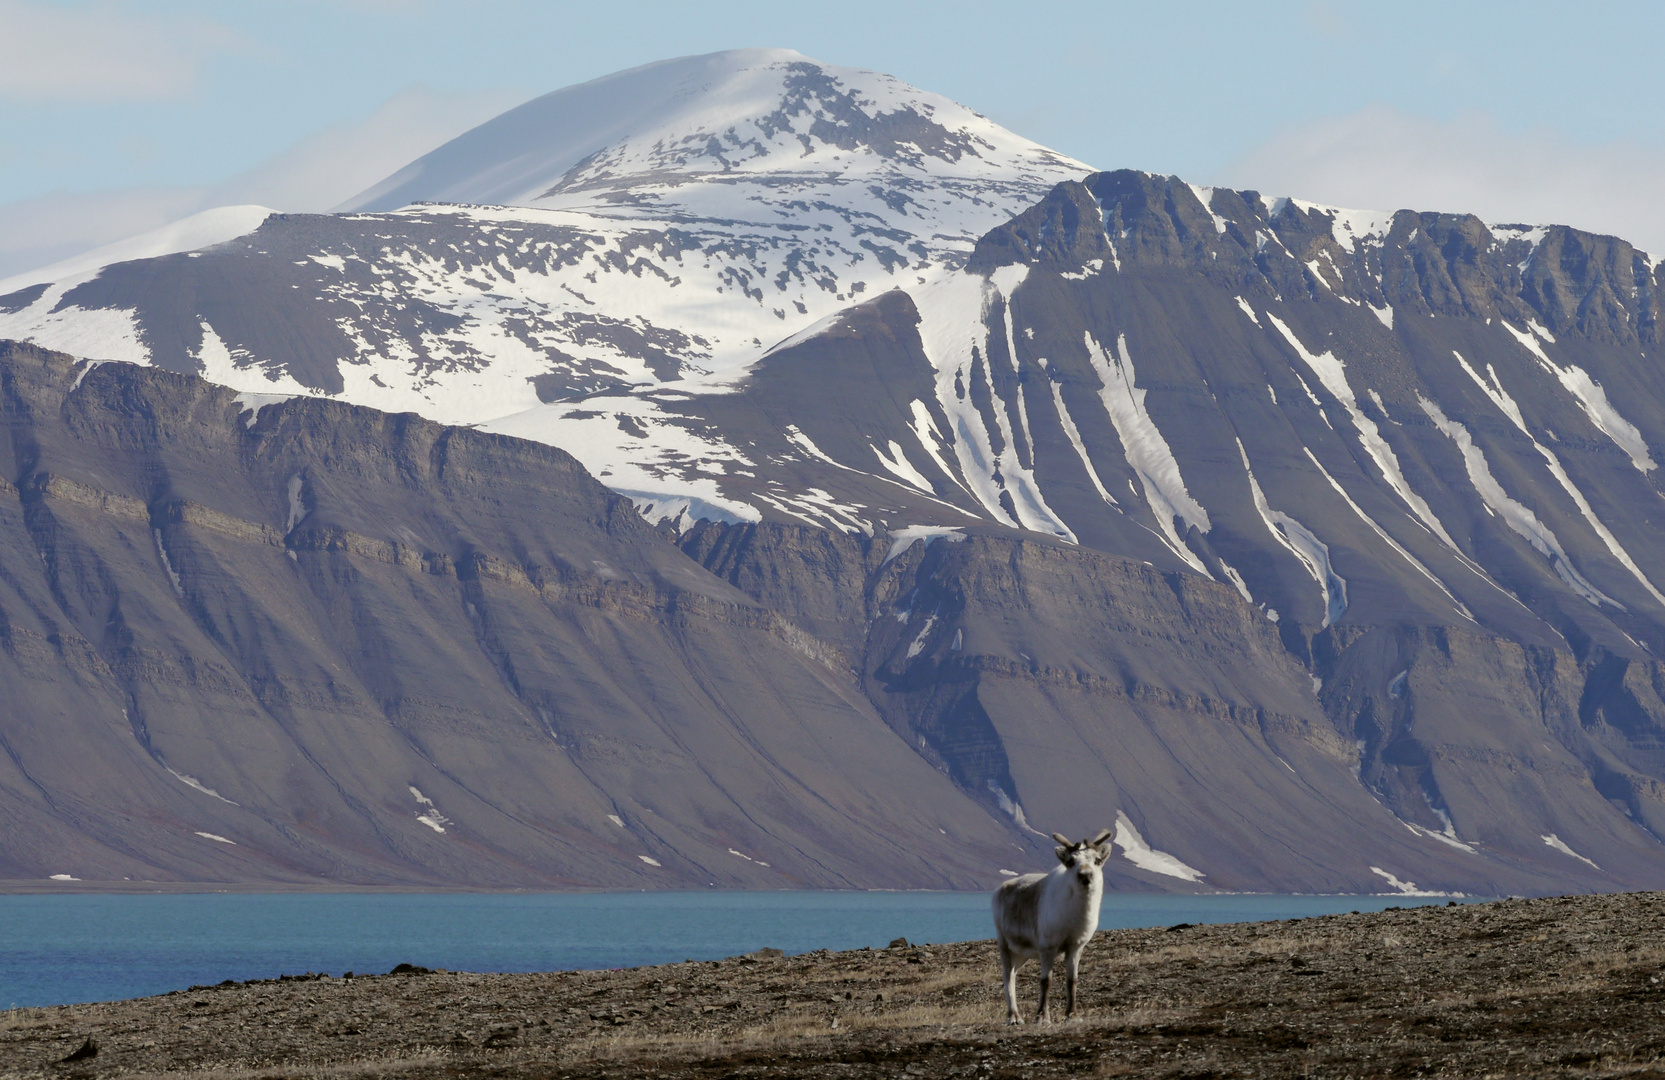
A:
(1591, 398)
(678, 458)
(251, 404)
(1521, 520)
(1236, 580)
(241, 370)
(685, 510)
(1302, 543)
(1074, 434)
(650, 860)
(899, 464)
(1147, 451)
(1448, 837)
(1333, 374)
(1145, 857)
(167, 564)
(1492, 386)
(1382, 534)
(1010, 806)
(904, 538)
(917, 646)
(86, 368)
(1561, 845)
(1405, 888)
(217, 838)
(431, 817)
(925, 430)
(1205, 195)
(99, 333)
(953, 310)
(198, 785)
(297, 509)
(1348, 228)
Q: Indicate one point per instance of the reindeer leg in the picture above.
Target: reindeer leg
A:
(1042, 1016)
(1008, 981)
(1072, 968)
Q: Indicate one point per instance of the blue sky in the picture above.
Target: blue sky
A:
(117, 115)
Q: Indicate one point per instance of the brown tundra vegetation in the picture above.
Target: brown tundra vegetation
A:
(1568, 986)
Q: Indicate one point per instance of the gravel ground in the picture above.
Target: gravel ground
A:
(1553, 987)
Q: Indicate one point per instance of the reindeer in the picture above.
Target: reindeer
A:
(1038, 916)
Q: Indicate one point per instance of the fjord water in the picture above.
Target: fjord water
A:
(82, 947)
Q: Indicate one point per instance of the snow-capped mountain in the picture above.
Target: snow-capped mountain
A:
(756, 136)
(664, 225)
(1222, 505)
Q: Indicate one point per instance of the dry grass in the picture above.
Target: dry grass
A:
(382, 1067)
(1139, 1016)
(1200, 951)
(922, 1008)
(1605, 960)
(910, 1007)
(28, 1019)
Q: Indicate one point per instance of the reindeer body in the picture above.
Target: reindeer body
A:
(1039, 916)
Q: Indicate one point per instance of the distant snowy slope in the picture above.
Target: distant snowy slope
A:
(187, 234)
(664, 130)
(654, 231)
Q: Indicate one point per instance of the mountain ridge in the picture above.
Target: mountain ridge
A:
(310, 642)
(1141, 501)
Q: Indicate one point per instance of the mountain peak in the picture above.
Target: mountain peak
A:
(740, 113)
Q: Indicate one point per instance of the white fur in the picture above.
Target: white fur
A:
(1038, 916)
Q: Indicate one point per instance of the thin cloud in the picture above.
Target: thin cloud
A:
(41, 231)
(328, 167)
(1384, 159)
(313, 175)
(101, 52)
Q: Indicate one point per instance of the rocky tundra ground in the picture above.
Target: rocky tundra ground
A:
(1570, 986)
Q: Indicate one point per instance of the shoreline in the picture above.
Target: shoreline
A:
(34, 887)
(1565, 986)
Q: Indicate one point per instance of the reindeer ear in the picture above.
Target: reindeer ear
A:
(1103, 835)
(1063, 854)
(1061, 838)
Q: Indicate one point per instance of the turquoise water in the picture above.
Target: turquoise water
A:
(71, 948)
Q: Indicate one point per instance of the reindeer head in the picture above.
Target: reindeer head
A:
(1086, 858)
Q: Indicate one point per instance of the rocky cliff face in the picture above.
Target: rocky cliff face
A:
(1420, 450)
(314, 643)
(1056, 684)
